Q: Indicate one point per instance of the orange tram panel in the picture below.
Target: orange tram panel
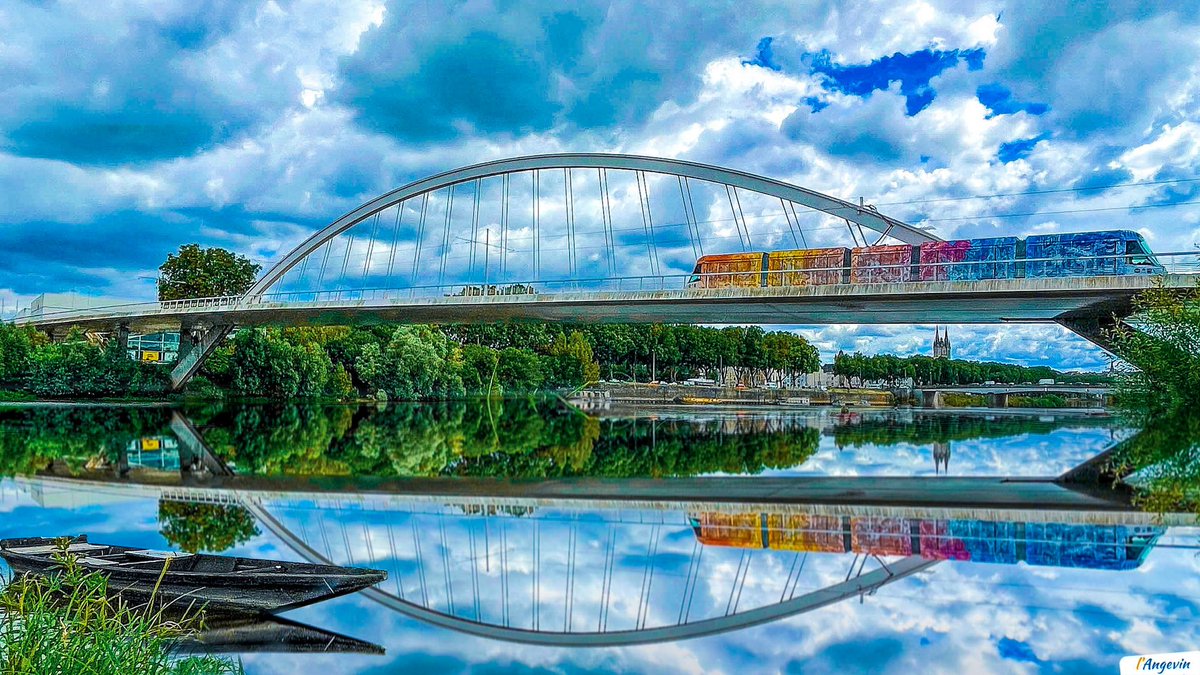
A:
(731, 270)
(806, 267)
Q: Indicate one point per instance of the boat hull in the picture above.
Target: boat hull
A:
(213, 583)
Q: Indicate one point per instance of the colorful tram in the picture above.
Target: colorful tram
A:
(1085, 254)
(1103, 547)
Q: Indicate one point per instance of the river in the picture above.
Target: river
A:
(524, 535)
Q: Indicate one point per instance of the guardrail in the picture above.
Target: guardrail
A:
(1185, 262)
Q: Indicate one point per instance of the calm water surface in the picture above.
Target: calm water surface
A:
(696, 585)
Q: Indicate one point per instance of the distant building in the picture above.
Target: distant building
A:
(941, 344)
(48, 304)
(154, 347)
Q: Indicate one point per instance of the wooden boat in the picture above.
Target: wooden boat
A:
(193, 581)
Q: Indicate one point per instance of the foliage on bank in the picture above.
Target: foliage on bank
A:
(1163, 348)
(73, 368)
(68, 623)
(432, 363)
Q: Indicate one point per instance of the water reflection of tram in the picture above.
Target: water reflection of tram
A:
(1117, 252)
(1107, 547)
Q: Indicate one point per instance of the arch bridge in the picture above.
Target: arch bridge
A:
(596, 237)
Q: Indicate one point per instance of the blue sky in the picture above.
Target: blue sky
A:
(129, 129)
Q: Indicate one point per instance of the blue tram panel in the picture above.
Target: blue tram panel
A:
(1088, 254)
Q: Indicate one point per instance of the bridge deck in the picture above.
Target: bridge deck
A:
(992, 301)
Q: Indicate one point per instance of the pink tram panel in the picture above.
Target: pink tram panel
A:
(881, 264)
(938, 544)
(934, 252)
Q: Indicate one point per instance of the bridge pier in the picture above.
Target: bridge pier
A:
(932, 399)
(122, 337)
(196, 342)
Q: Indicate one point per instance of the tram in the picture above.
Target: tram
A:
(1084, 254)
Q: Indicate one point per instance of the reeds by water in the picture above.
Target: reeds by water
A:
(69, 623)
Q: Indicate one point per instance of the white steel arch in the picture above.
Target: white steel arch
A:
(863, 216)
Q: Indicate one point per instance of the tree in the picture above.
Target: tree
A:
(267, 364)
(479, 369)
(16, 348)
(197, 272)
(519, 370)
(1165, 348)
(418, 363)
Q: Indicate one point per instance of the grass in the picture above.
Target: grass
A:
(69, 623)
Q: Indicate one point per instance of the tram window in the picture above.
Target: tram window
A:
(1136, 254)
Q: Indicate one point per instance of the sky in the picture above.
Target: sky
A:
(131, 128)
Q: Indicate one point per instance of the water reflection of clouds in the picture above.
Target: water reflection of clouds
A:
(957, 617)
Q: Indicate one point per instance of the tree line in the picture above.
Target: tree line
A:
(926, 370)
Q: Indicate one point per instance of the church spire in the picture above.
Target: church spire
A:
(941, 343)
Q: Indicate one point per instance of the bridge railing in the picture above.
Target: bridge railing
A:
(1185, 262)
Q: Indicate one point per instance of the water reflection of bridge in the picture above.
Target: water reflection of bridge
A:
(588, 571)
(557, 562)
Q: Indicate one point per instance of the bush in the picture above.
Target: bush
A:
(267, 364)
(1164, 349)
(519, 370)
(954, 400)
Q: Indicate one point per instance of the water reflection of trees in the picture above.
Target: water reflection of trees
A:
(197, 526)
(513, 438)
(1164, 460)
(924, 429)
(33, 438)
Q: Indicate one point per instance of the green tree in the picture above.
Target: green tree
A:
(196, 272)
(16, 349)
(418, 363)
(519, 370)
(1165, 352)
(267, 364)
(479, 372)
